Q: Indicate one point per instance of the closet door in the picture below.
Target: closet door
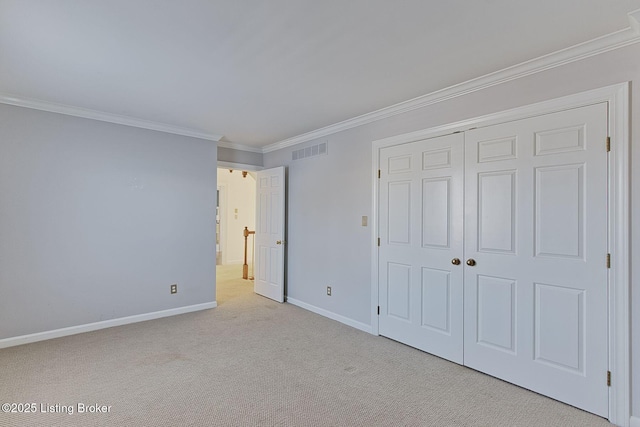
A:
(536, 236)
(421, 201)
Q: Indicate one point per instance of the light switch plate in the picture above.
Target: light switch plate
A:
(365, 220)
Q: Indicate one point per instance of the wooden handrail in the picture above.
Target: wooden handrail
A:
(245, 266)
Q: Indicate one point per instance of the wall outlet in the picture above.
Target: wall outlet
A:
(329, 290)
(174, 288)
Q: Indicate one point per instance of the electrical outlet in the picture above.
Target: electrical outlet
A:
(329, 290)
(174, 288)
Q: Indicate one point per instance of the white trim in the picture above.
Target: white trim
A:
(72, 330)
(599, 45)
(634, 422)
(331, 315)
(634, 20)
(375, 301)
(104, 117)
(617, 97)
(619, 246)
(558, 104)
(244, 167)
(237, 146)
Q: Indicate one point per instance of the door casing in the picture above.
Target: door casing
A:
(617, 97)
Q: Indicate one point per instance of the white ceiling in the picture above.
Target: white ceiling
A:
(259, 72)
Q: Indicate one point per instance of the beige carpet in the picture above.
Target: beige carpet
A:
(254, 362)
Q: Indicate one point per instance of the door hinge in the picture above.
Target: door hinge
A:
(378, 310)
(379, 173)
(378, 241)
(608, 378)
(608, 260)
(608, 144)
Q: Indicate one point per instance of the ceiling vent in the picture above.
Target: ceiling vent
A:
(314, 150)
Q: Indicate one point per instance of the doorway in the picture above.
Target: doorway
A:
(236, 209)
(246, 196)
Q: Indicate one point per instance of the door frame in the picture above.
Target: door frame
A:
(235, 166)
(222, 202)
(617, 97)
(238, 166)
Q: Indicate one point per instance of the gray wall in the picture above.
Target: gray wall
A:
(239, 156)
(328, 194)
(97, 220)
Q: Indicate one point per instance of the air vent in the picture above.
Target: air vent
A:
(314, 150)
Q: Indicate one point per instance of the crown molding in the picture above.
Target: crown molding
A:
(612, 41)
(241, 147)
(634, 20)
(104, 117)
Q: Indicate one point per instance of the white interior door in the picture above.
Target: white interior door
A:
(536, 227)
(270, 233)
(421, 201)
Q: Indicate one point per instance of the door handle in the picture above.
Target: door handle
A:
(471, 262)
(455, 261)
(280, 242)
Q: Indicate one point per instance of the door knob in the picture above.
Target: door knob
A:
(280, 242)
(471, 262)
(455, 261)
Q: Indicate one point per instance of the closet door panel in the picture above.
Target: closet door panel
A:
(536, 227)
(421, 217)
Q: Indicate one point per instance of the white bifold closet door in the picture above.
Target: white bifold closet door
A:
(523, 206)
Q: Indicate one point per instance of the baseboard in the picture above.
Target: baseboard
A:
(72, 330)
(634, 422)
(331, 315)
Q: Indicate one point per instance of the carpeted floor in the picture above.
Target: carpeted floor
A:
(254, 362)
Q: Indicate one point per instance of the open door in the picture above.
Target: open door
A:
(269, 238)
